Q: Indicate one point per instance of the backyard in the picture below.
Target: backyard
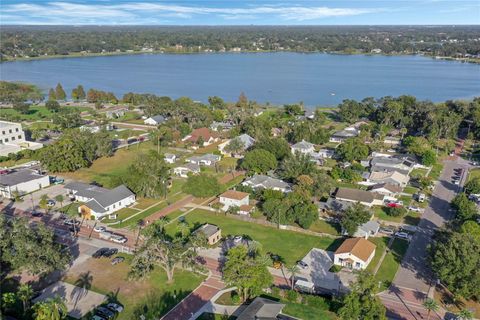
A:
(271, 239)
(152, 294)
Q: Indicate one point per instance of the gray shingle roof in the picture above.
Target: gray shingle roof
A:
(261, 308)
(208, 229)
(20, 176)
(158, 118)
(101, 196)
(267, 182)
(304, 145)
(247, 140)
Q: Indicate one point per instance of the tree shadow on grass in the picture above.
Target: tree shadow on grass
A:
(157, 304)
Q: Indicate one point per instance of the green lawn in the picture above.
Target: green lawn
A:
(417, 173)
(35, 113)
(436, 171)
(474, 174)
(390, 264)
(121, 215)
(71, 209)
(410, 190)
(153, 293)
(412, 218)
(290, 246)
(381, 244)
(323, 226)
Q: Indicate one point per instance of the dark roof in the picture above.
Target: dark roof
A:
(355, 195)
(158, 118)
(101, 196)
(15, 177)
(208, 229)
(390, 187)
(261, 308)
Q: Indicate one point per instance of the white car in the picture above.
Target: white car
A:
(402, 235)
(99, 229)
(118, 239)
(415, 209)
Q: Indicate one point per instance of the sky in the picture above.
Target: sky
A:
(239, 12)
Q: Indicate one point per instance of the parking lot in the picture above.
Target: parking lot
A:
(32, 200)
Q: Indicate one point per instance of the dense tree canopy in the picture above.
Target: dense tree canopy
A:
(259, 161)
(202, 185)
(148, 176)
(353, 217)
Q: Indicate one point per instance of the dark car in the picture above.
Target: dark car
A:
(110, 252)
(105, 312)
(100, 252)
(37, 214)
(117, 260)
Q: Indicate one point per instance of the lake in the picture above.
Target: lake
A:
(278, 78)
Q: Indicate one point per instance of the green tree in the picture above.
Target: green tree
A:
(296, 165)
(465, 314)
(67, 118)
(158, 250)
(247, 271)
(361, 302)
(352, 149)
(472, 228)
(396, 211)
(78, 93)
(52, 95)
(456, 262)
(52, 105)
(466, 209)
(60, 93)
(21, 107)
(276, 211)
(25, 294)
(60, 198)
(277, 146)
(429, 158)
(235, 146)
(258, 161)
(216, 102)
(43, 203)
(242, 101)
(148, 176)
(473, 186)
(430, 305)
(202, 186)
(293, 271)
(353, 217)
(50, 309)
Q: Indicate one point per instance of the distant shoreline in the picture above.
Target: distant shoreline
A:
(111, 54)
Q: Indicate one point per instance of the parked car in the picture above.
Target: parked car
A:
(105, 235)
(70, 222)
(394, 205)
(105, 312)
(97, 317)
(117, 260)
(402, 235)
(456, 182)
(118, 238)
(115, 307)
(302, 264)
(386, 230)
(99, 229)
(37, 214)
(100, 252)
(51, 202)
(415, 209)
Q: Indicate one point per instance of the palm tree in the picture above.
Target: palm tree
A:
(82, 285)
(293, 270)
(430, 305)
(50, 309)
(25, 293)
(465, 314)
(184, 229)
(60, 198)
(44, 202)
(140, 225)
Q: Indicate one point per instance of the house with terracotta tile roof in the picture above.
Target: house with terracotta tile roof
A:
(354, 253)
(233, 198)
(202, 134)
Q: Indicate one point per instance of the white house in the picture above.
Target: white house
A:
(368, 229)
(343, 135)
(208, 159)
(366, 198)
(354, 253)
(246, 140)
(259, 181)
(184, 169)
(221, 126)
(22, 181)
(100, 202)
(232, 198)
(386, 189)
(303, 147)
(12, 139)
(326, 153)
(170, 158)
(155, 120)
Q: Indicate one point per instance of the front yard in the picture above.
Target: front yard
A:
(152, 294)
(391, 262)
(474, 174)
(411, 218)
(271, 239)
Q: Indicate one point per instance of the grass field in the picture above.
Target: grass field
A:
(390, 264)
(474, 174)
(272, 239)
(411, 218)
(35, 113)
(323, 226)
(381, 243)
(153, 294)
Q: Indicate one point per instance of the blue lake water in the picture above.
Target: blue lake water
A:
(315, 79)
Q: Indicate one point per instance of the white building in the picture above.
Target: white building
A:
(208, 159)
(12, 139)
(303, 147)
(232, 198)
(259, 181)
(100, 202)
(184, 169)
(170, 158)
(155, 120)
(22, 181)
(354, 253)
(246, 140)
(366, 198)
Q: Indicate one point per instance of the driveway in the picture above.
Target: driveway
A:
(32, 199)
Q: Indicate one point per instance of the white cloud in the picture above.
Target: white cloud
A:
(149, 12)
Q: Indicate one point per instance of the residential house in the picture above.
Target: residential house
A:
(259, 181)
(368, 229)
(155, 120)
(170, 158)
(221, 126)
(343, 135)
(388, 164)
(246, 209)
(393, 177)
(303, 147)
(354, 253)
(100, 202)
(232, 198)
(262, 309)
(392, 141)
(208, 159)
(22, 181)
(366, 198)
(92, 129)
(115, 113)
(211, 232)
(386, 189)
(12, 139)
(201, 134)
(246, 140)
(334, 206)
(326, 153)
(184, 169)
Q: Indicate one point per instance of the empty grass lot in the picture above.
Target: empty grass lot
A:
(152, 293)
(290, 246)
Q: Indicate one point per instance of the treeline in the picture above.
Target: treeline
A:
(25, 41)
